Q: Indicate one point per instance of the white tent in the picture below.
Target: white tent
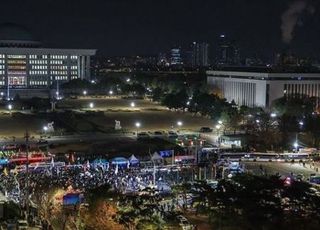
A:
(156, 157)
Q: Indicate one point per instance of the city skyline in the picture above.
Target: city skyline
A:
(118, 28)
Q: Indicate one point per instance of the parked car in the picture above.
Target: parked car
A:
(172, 134)
(143, 136)
(205, 130)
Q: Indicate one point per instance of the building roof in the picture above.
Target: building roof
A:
(13, 35)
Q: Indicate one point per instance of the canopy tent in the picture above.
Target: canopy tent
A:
(100, 161)
(133, 160)
(156, 157)
(121, 161)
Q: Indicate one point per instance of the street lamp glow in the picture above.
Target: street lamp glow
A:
(273, 115)
(220, 122)
(179, 123)
(110, 92)
(258, 121)
(128, 80)
(91, 105)
(132, 104)
(138, 124)
(1, 93)
(218, 126)
(45, 128)
(301, 123)
(84, 92)
(10, 107)
(295, 144)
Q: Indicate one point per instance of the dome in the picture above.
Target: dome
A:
(12, 35)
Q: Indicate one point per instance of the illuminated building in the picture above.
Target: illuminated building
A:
(260, 88)
(24, 64)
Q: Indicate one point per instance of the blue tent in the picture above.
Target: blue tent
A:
(120, 161)
(133, 160)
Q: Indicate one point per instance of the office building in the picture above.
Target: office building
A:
(261, 88)
(200, 54)
(228, 54)
(176, 56)
(24, 64)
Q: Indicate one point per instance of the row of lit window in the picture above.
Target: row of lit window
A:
(38, 72)
(2, 55)
(58, 56)
(2, 61)
(2, 82)
(38, 62)
(74, 67)
(16, 62)
(59, 72)
(59, 67)
(74, 57)
(17, 72)
(17, 56)
(74, 77)
(61, 78)
(39, 67)
(56, 62)
(16, 67)
(2, 66)
(38, 83)
(38, 56)
(2, 72)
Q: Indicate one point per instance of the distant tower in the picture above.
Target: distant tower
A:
(228, 52)
(200, 54)
(175, 56)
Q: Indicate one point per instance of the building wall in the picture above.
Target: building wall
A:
(40, 68)
(261, 89)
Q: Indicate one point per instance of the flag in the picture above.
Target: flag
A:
(5, 171)
(116, 170)
(52, 163)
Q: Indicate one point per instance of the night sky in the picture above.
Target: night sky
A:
(147, 27)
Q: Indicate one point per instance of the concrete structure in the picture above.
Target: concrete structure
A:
(24, 64)
(262, 88)
(200, 54)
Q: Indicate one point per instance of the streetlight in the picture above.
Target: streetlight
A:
(128, 80)
(132, 104)
(45, 129)
(110, 92)
(84, 92)
(91, 105)
(179, 123)
(301, 123)
(138, 125)
(258, 121)
(10, 107)
(296, 145)
(273, 115)
(220, 122)
(218, 127)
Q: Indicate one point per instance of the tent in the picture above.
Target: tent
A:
(120, 161)
(133, 160)
(156, 157)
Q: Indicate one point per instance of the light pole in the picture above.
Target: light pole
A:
(10, 107)
(84, 92)
(179, 123)
(91, 105)
(138, 125)
(45, 129)
(132, 104)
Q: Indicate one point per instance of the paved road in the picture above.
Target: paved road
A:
(278, 167)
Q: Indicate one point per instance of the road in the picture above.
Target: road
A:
(279, 167)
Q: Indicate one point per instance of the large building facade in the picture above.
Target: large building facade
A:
(260, 89)
(24, 64)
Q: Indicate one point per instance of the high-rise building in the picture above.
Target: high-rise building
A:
(175, 56)
(228, 54)
(200, 54)
(24, 64)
